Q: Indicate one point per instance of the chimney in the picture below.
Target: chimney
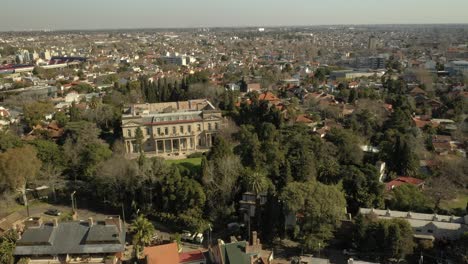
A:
(90, 222)
(254, 238)
(55, 222)
(33, 222)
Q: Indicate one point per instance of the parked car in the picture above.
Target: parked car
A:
(198, 238)
(187, 236)
(53, 212)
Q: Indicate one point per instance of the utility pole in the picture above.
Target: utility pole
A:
(73, 201)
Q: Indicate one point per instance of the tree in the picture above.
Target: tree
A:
(323, 206)
(18, 167)
(48, 152)
(143, 231)
(139, 139)
(409, 198)
(9, 140)
(347, 143)
(362, 187)
(7, 246)
(387, 238)
(256, 181)
(440, 188)
(53, 175)
(36, 111)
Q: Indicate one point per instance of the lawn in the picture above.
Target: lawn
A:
(193, 165)
(459, 202)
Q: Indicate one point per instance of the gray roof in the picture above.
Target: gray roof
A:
(75, 237)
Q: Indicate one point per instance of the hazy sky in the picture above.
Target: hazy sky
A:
(100, 14)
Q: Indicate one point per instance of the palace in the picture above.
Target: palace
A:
(172, 129)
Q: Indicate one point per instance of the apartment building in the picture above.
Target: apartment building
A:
(172, 129)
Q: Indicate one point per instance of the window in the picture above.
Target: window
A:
(181, 129)
(159, 131)
(173, 130)
(129, 133)
(430, 231)
(198, 127)
(216, 126)
(189, 129)
(166, 131)
(148, 131)
(209, 126)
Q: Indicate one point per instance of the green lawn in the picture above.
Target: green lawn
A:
(459, 202)
(191, 166)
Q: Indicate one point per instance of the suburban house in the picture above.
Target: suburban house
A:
(162, 254)
(73, 241)
(426, 226)
(240, 252)
(169, 254)
(402, 181)
(192, 257)
(172, 129)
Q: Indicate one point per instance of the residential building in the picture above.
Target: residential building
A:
(402, 181)
(455, 67)
(240, 252)
(162, 254)
(172, 129)
(74, 241)
(426, 226)
(373, 42)
(192, 257)
(169, 254)
(181, 60)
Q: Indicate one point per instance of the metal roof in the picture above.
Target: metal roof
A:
(76, 237)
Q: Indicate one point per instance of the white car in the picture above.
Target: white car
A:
(198, 238)
(187, 236)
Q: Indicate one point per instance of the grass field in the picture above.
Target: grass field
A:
(191, 166)
(459, 202)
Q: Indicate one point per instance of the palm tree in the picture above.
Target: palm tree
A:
(143, 231)
(257, 182)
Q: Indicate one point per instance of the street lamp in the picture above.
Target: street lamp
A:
(73, 201)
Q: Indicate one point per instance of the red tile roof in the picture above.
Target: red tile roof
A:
(267, 96)
(401, 181)
(303, 119)
(163, 254)
(191, 256)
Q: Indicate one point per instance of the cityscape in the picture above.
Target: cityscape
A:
(293, 141)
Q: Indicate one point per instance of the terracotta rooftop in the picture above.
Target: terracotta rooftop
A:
(162, 254)
(402, 180)
(192, 256)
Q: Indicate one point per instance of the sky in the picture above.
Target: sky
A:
(117, 14)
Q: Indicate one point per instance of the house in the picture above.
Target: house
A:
(417, 92)
(402, 181)
(270, 97)
(162, 254)
(254, 87)
(240, 252)
(304, 119)
(73, 241)
(169, 254)
(171, 129)
(192, 257)
(426, 226)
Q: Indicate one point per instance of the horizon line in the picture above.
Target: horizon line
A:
(229, 27)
